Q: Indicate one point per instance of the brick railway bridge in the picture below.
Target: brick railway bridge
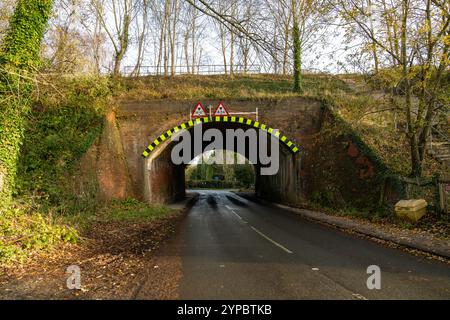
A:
(308, 163)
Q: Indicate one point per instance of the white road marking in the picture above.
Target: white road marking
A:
(273, 241)
(232, 210)
(259, 232)
(237, 215)
(359, 296)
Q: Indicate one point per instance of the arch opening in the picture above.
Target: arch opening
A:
(274, 157)
(237, 172)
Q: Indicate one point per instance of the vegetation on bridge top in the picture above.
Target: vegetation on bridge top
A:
(261, 86)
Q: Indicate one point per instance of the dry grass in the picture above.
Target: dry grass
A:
(223, 87)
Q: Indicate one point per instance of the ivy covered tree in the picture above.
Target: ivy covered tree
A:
(19, 61)
(298, 86)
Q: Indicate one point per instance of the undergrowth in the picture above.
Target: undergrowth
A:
(23, 231)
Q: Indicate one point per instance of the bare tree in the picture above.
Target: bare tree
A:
(223, 33)
(190, 26)
(119, 32)
(282, 21)
(173, 35)
(141, 30)
(419, 53)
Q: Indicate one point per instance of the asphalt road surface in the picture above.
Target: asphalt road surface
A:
(233, 248)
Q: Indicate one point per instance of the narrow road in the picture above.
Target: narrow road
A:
(232, 248)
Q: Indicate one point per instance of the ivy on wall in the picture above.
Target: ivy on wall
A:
(19, 60)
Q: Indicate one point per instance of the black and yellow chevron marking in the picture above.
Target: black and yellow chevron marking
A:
(249, 122)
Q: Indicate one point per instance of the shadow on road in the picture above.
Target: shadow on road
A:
(212, 201)
(237, 201)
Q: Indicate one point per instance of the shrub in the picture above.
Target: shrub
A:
(23, 231)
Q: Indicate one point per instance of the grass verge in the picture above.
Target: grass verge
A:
(126, 211)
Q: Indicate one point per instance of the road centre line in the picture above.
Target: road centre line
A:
(238, 215)
(262, 234)
(271, 240)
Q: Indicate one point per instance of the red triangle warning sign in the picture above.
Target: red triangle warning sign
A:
(199, 111)
(221, 110)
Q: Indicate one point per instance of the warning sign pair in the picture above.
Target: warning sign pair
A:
(200, 112)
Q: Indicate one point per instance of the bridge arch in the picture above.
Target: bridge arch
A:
(164, 181)
(232, 119)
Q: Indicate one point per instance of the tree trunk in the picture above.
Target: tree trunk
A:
(96, 43)
(416, 163)
(173, 44)
(19, 55)
(186, 51)
(194, 46)
(232, 54)
(232, 40)
(141, 40)
(388, 23)
(160, 49)
(373, 44)
(224, 47)
(124, 37)
(166, 31)
(298, 86)
(286, 45)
